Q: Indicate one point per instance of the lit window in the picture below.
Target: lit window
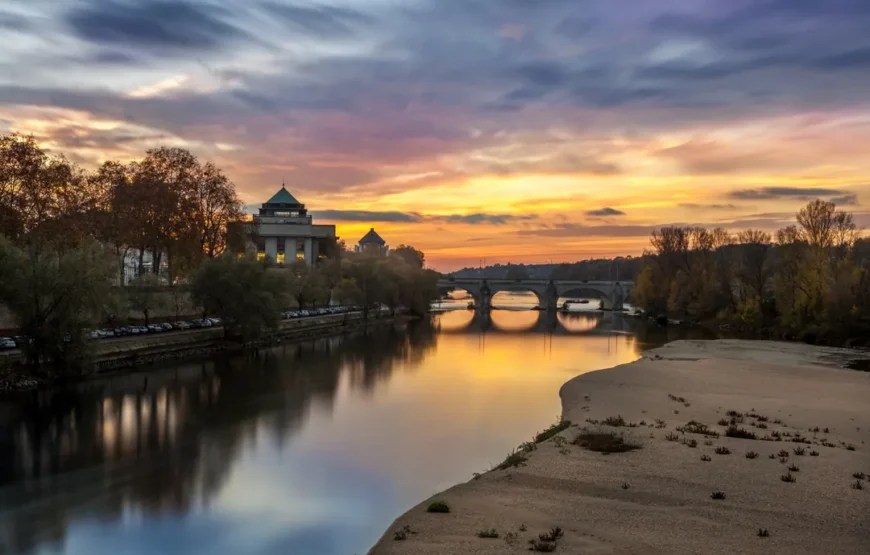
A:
(300, 256)
(280, 258)
(261, 256)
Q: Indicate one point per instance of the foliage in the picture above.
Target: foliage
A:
(242, 292)
(811, 281)
(54, 295)
(143, 295)
(411, 256)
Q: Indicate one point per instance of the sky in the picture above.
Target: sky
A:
(506, 130)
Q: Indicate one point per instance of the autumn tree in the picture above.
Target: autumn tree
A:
(42, 197)
(246, 295)
(54, 295)
(410, 255)
(143, 296)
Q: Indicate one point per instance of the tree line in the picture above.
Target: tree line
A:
(65, 233)
(808, 281)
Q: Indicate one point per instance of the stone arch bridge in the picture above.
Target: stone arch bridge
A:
(611, 293)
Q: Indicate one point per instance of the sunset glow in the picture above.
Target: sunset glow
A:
(507, 130)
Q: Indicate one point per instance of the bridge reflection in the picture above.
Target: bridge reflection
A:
(533, 321)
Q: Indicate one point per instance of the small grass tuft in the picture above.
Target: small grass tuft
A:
(782, 453)
(708, 442)
(706, 458)
(762, 419)
(552, 430)
(722, 450)
(511, 537)
(551, 536)
(660, 423)
(788, 478)
(400, 535)
(625, 485)
(850, 447)
(491, 533)
(783, 460)
(793, 468)
(722, 422)
(514, 459)
(859, 475)
(523, 527)
(605, 442)
(438, 507)
(740, 433)
(734, 414)
(672, 437)
(542, 546)
(827, 430)
(858, 484)
(691, 443)
(763, 533)
(777, 421)
(615, 421)
(771, 456)
(814, 453)
(751, 455)
(799, 451)
(718, 495)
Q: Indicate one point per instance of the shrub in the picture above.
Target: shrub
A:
(552, 431)
(491, 533)
(615, 421)
(706, 458)
(763, 533)
(800, 451)
(514, 459)
(400, 536)
(722, 450)
(859, 475)
(814, 453)
(751, 455)
(858, 485)
(788, 478)
(542, 546)
(605, 442)
(672, 437)
(793, 468)
(551, 536)
(718, 495)
(741, 433)
(438, 507)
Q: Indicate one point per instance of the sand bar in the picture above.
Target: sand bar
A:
(657, 499)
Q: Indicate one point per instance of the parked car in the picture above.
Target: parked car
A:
(205, 323)
(166, 326)
(181, 325)
(7, 343)
(214, 321)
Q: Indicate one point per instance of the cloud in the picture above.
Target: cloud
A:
(415, 217)
(800, 193)
(366, 216)
(693, 206)
(606, 211)
(158, 26)
(846, 200)
(320, 21)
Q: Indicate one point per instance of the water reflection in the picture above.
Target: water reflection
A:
(305, 448)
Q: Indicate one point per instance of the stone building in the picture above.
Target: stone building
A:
(285, 232)
(372, 242)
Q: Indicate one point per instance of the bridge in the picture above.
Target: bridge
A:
(548, 291)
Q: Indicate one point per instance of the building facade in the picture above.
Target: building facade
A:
(284, 232)
(372, 242)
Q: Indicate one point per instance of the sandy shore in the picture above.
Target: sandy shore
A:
(657, 499)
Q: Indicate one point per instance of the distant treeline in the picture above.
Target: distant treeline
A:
(809, 281)
(602, 269)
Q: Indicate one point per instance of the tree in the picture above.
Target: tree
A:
(242, 292)
(54, 294)
(410, 256)
(42, 197)
(347, 292)
(144, 297)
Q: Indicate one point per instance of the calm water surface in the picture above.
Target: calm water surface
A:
(309, 448)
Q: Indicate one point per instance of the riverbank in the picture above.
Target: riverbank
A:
(664, 496)
(127, 353)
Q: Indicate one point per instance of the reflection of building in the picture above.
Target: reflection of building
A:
(372, 242)
(284, 231)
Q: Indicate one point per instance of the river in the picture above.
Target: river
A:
(309, 448)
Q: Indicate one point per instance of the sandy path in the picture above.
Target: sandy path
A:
(667, 508)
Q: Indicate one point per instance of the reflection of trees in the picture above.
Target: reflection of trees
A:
(108, 445)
